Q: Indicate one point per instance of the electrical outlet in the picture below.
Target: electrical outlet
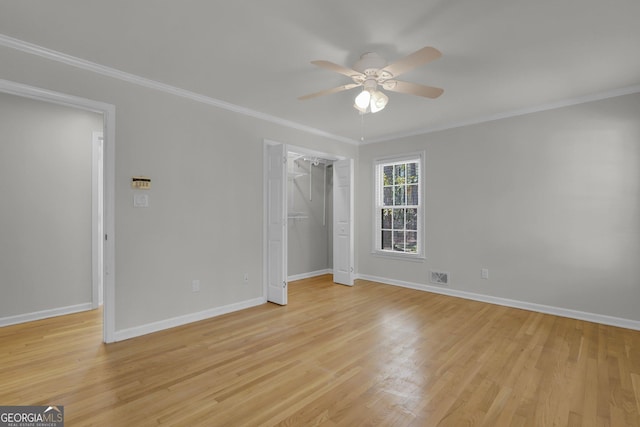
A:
(484, 273)
(195, 286)
(246, 278)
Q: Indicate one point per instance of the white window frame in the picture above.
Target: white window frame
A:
(378, 165)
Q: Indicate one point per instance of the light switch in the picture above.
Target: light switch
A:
(140, 200)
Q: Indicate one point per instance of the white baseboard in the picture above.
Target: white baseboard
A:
(309, 275)
(137, 331)
(541, 308)
(44, 314)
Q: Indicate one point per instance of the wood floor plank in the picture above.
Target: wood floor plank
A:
(370, 354)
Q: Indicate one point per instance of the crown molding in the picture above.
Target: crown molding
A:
(507, 114)
(83, 64)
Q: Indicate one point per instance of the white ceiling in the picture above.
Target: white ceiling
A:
(498, 55)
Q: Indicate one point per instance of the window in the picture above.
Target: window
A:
(398, 207)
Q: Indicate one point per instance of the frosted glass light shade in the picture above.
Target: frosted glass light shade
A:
(363, 99)
(378, 101)
(362, 110)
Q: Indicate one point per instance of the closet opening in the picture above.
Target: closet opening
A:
(308, 218)
(309, 215)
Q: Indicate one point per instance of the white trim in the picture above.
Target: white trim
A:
(44, 314)
(265, 219)
(109, 132)
(309, 274)
(97, 224)
(314, 153)
(161, 325)
(37, 93)
(540, 308)
(83, 64)
(399, 256)
(511, 113)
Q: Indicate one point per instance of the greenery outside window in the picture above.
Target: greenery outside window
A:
(398, 207)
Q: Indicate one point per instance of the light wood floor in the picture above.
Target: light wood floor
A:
(372, 354)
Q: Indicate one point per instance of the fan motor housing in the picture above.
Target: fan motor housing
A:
(369, 61)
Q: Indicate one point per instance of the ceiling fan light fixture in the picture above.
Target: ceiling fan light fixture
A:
(361, 110)
(372, 72)
(378, 101)
(363, 99)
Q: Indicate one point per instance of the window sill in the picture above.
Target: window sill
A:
(399, 256)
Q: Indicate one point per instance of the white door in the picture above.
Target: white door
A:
(276, 223)
(343, 222)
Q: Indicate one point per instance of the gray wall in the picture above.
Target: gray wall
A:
(45, 213)
(548, 202)
(205, 216)
(308, 236)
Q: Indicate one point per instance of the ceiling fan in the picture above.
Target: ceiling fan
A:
(371, 72)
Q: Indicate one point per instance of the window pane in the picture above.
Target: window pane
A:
(398, 241)
(386, 240)
(412, 173)
(386, 218)
(399, 206)
(398, 219)
(387, 175)
(399, 196)
(387, 196)
(412, 242)
(412, 194)
(400, 174)
(412, 219)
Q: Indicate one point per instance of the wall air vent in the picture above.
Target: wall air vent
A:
(439, 277)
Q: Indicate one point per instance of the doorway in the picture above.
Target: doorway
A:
(100, 257)
(309, 215)
(288, 202)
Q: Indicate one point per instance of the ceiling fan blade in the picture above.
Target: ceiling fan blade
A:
(417, 58)
(412, 88)
(329, 91)
(337, 68)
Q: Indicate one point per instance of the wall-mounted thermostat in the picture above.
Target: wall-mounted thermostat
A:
(141, 183)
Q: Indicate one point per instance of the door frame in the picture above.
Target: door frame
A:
(97, 223)
(301, 150)
(108, 112)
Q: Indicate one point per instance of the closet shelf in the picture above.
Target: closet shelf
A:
(294, 175)
(297, 215)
